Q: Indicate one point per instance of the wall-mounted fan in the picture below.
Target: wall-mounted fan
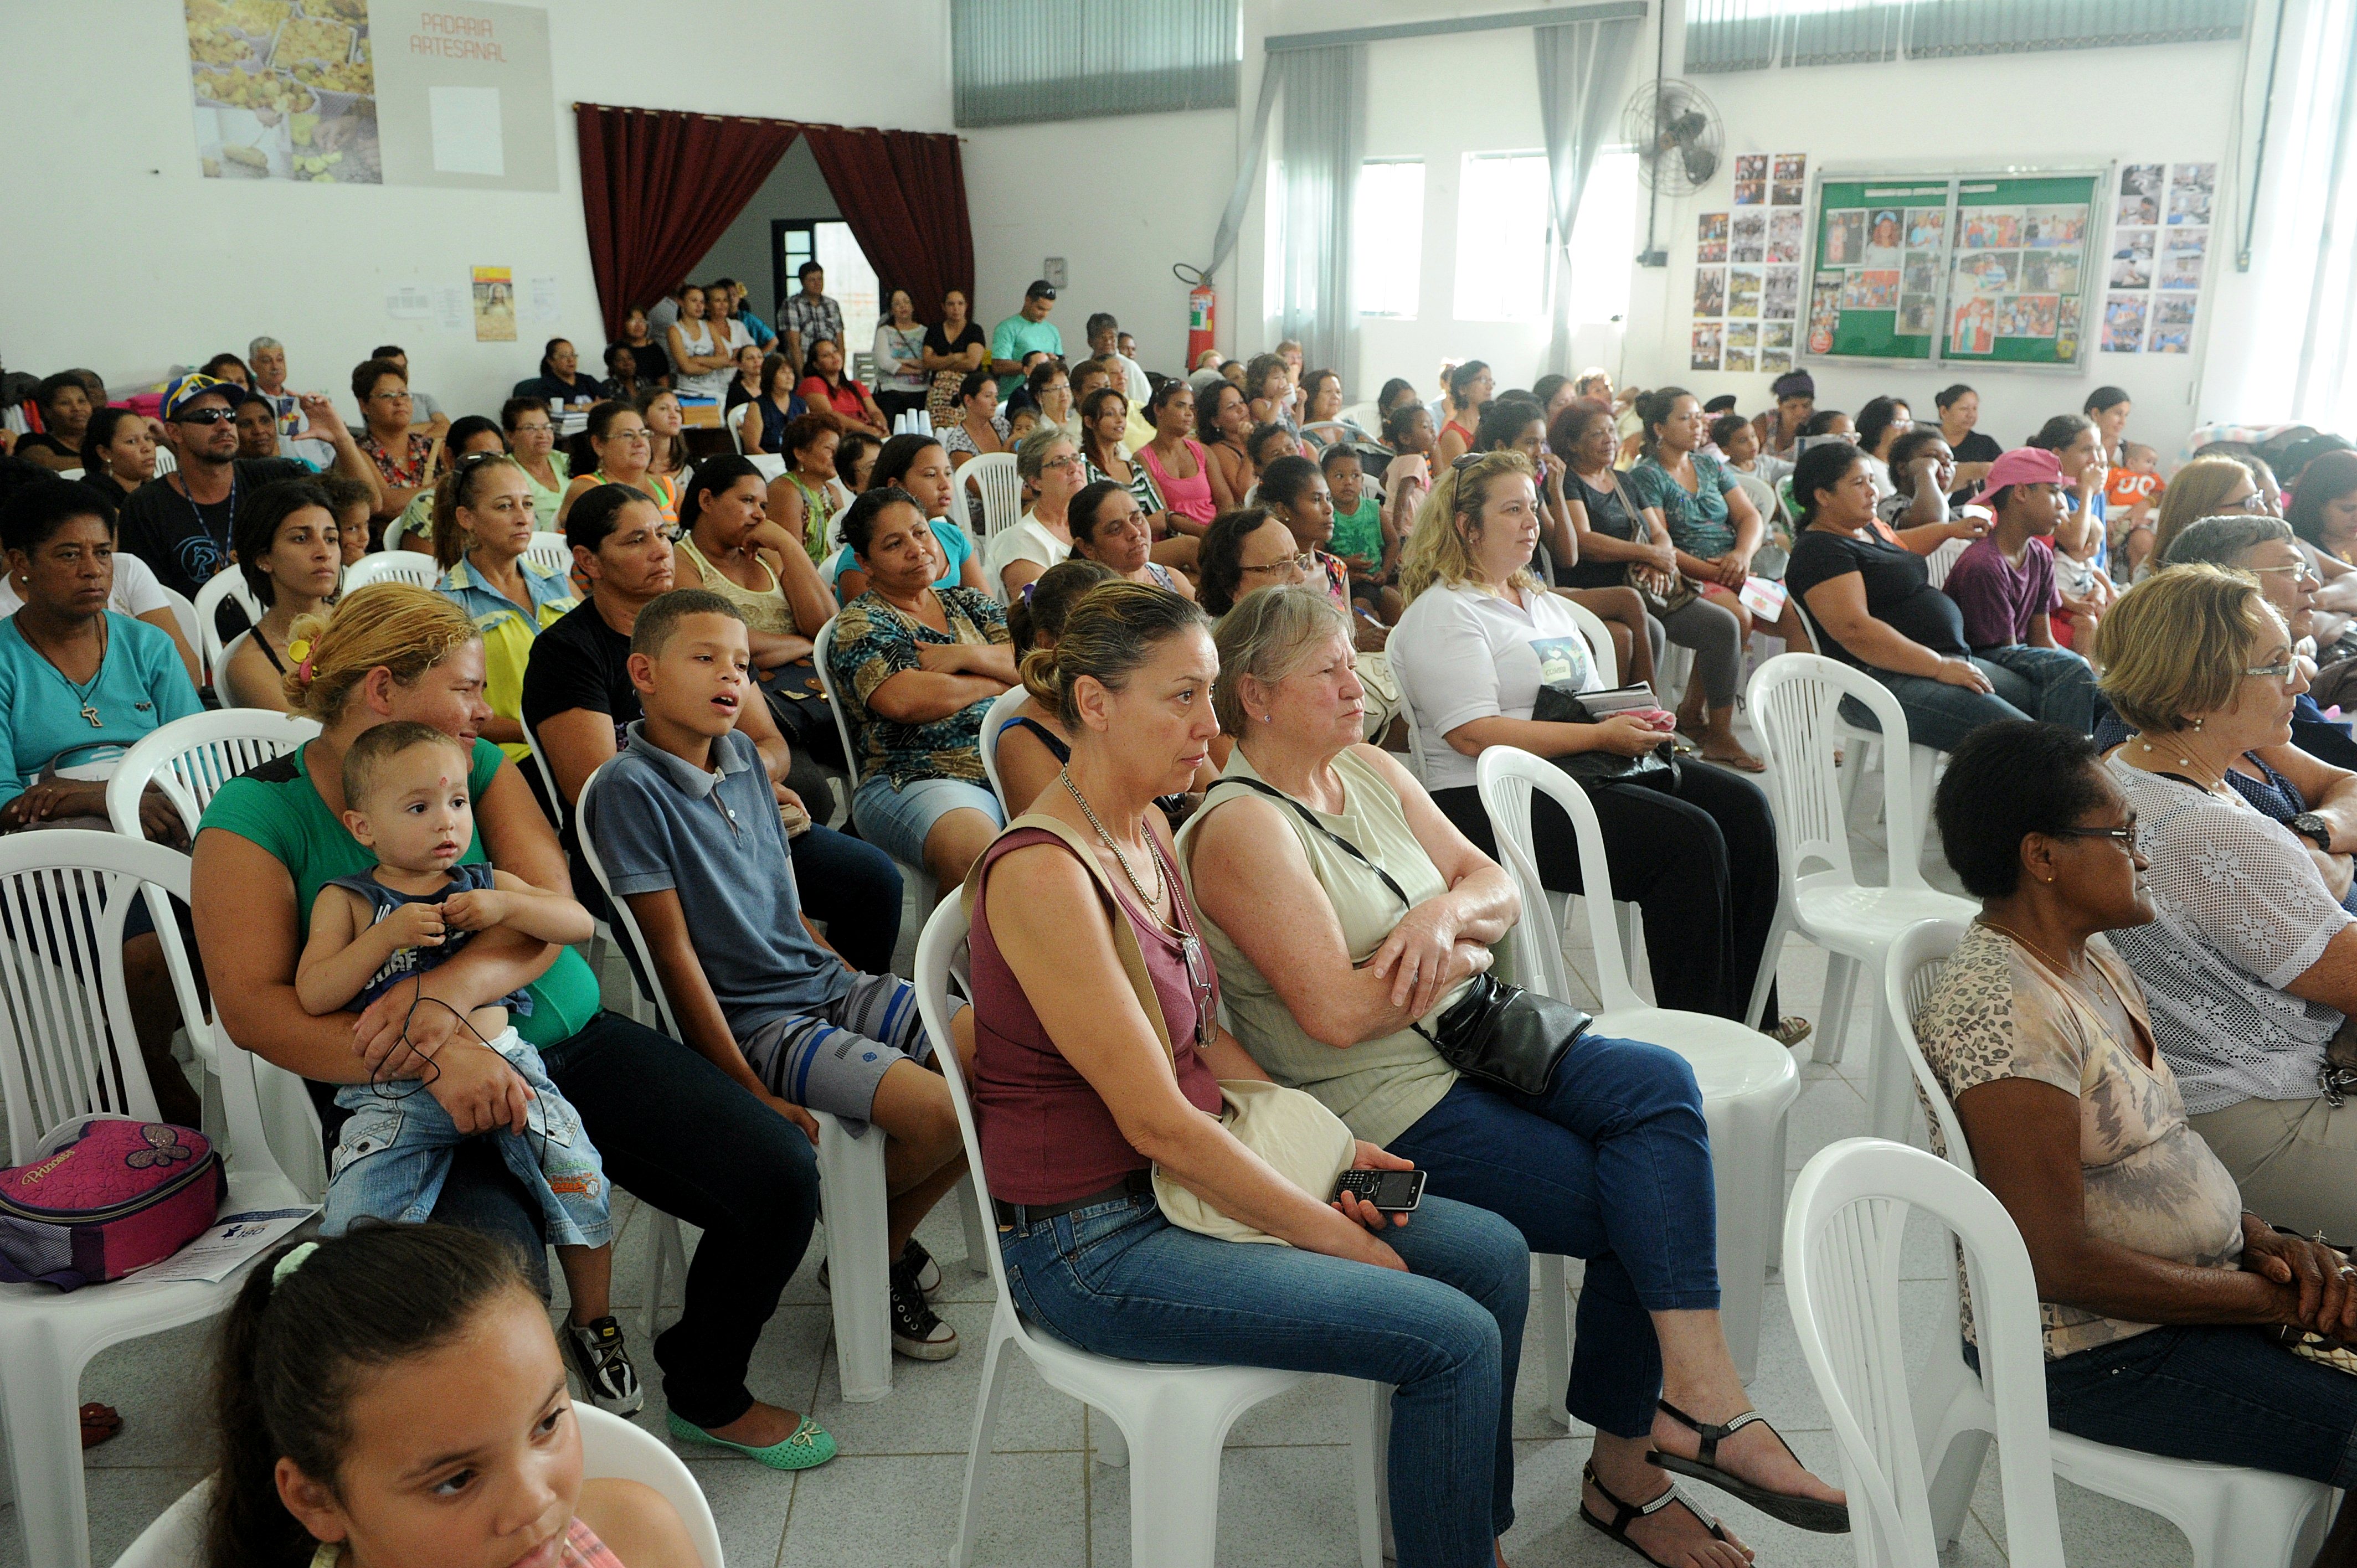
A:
(1677, 135)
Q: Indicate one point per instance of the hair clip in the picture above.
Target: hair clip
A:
(299, 651)
(295, 1259)
(1026, 589)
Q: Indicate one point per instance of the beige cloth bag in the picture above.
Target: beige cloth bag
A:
(1302, 1141)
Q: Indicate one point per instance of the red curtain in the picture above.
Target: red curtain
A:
(659, 189)
(903, 194)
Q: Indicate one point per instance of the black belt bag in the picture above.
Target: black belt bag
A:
(1497, 1033)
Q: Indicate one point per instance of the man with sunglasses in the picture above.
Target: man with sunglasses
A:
(179, 522)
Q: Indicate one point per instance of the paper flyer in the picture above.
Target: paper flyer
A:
(1791, 185)
(1710, 238)
(495, 316)
(1751, 179)
(223, 1250)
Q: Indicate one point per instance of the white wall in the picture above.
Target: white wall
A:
(124, 258)
(2035, 110)
(1129, 196)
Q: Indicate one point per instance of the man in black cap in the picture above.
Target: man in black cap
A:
(1027, 331)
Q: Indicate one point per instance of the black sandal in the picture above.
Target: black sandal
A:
(1801, 1513)
(1626, 1513)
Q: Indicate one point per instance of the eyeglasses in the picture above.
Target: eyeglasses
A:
(2252, 502)
(632, 436)
(203, 416)
(2274, 672)
(2124, 835)
(2302, 572)
(389, 397)
(1301, 563)
(1072, 461)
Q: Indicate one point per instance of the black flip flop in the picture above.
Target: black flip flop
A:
(1801, 1513)
(1626, 1513)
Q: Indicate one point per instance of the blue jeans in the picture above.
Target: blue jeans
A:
(2229, 1396)
(1612, 1167)
(1118, 1279)
(2050, 683)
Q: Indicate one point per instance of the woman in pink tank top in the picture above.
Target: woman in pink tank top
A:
(1180, 469)
(1077, 1100)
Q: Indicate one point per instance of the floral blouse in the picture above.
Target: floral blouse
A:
(405, 471)
(874, 642)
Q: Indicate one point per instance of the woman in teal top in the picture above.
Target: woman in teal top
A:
(79, 683)
(671, 1126)
(1712, 523)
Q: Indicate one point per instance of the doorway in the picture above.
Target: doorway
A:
(850, 280)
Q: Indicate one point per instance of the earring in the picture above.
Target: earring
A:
(2197, 726)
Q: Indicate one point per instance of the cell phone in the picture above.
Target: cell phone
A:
(1393, 1192)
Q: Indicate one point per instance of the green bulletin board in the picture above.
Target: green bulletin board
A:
(1954, 269)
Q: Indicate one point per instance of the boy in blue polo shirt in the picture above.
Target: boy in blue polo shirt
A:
(687, 825)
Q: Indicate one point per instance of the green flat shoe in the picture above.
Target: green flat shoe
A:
(809, 1447)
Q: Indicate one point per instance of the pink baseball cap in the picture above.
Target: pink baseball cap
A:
(2022, 466)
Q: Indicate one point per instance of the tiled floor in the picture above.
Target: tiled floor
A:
(1285, 1500)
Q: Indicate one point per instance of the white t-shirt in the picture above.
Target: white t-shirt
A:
(1461, 654)
(1139, 387)
(1027, 540)
(136, 590)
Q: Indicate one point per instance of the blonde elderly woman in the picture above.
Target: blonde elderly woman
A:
(2251, 965)
(1480, 637)
(1050, 464)
(1346, 914)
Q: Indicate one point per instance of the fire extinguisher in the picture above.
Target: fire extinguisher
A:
(1202, 311)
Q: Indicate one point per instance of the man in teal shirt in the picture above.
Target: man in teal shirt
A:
(1021, 333)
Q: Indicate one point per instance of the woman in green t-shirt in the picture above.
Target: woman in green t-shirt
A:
(671, 1126)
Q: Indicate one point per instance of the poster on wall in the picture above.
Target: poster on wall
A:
(1703, 355)
(1775, 347)
(282, 91)
(1710, 238)
(1825, 311)
(495, 316)
(1791, 185)
(1751, 179)
(373, 92)
(2160, 252)
(1741, 346)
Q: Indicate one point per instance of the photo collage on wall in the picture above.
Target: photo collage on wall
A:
(2160, 242)
(2016, 273)
(1746, 281)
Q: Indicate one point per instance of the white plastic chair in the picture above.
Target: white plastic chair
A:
(612, 1449)
(1748, 1082)
(1172, 1420)
(852, 1195)
(550, 552)
(1795, 701)
(1941, 562)
(227, 584)
(1599, 639)
(2231, 1515)
(919, 879)
(185, 614)
(189, 760)
(401, 565)
(1001, 710)
(67, 1050)
(993, 475)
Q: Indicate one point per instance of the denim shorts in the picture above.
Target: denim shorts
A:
(896, 821)
(394, 1153)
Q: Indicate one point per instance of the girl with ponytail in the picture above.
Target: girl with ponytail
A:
(395, 1397)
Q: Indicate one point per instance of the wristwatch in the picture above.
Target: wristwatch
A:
(2309, 825)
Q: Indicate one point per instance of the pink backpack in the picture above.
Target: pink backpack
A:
(106, 1195)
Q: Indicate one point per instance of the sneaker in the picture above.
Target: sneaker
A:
(917, 1332)
(929, 1273)
(603, 1365)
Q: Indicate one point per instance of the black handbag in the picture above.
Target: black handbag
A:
(1497, 1033)
(1655, 769)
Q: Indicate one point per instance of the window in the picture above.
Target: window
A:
(1603, 239)
(1016, 62)
(1390, 241)
(1502, 237)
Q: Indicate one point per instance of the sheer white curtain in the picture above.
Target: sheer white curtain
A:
(1580, 65)
(1323, 142)
(2279, 348)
